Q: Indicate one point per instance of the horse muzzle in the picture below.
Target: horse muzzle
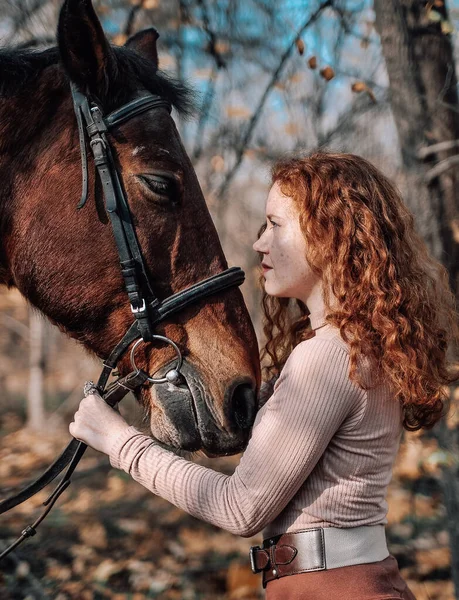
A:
(184, 415)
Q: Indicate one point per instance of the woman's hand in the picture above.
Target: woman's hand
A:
(97, 424)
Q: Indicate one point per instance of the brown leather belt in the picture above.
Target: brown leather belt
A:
(318, 549)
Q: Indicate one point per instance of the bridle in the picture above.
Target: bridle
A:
(147, 309)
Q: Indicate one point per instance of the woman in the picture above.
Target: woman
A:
(358, 318)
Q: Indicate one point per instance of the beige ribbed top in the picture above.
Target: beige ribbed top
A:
(321, 452)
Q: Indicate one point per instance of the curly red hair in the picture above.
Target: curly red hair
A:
(394, 301)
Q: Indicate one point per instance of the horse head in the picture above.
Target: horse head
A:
(65, 261)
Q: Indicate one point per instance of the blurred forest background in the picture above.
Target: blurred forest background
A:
(274, 77)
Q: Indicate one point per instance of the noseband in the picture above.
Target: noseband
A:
(146, 308)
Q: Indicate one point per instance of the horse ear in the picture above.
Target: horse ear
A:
(85, 51)
(144, 42)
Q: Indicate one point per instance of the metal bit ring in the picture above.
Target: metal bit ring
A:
(173, 373)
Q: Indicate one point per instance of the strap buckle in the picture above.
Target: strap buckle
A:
(253, 559)
(142, 308)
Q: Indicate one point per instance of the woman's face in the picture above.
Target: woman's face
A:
(286, 271)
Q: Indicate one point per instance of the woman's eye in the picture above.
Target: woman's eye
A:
(273, 223)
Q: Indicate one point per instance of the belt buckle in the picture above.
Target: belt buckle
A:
(253, 565)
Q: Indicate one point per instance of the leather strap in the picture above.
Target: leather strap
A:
(318, 549)
(233, 276)
(71, 457)
(49, 475)
(146, 307)
(134, 108)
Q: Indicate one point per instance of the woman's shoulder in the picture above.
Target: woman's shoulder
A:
(318, 357)
(331, 350)
(317, 371)
(329, 343)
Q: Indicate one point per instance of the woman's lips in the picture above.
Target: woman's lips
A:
(265, 267)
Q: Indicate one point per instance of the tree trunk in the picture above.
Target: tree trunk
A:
(424, 101)
(35, 403)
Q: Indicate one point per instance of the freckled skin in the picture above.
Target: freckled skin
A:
(284, 250)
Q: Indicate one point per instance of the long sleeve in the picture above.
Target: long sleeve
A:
(311, 399)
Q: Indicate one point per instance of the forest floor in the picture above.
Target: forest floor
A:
(109, 538)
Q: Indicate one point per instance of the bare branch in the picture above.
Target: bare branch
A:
(441, 167)
(440, 147)
(212, 47)
(257, 113)
(15, 325)
(37, 41)
(347, 119)
(128, 28)
(204, 114)
(24, 13)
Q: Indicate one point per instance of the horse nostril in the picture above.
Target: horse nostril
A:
(242, 406)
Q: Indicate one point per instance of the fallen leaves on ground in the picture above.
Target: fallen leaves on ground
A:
(109, 538)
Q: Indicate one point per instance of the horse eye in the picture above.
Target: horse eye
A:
(162, 186)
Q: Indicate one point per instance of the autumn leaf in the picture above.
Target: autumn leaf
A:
(399, 505)
(202, 73)
(327, 73)
(150, 4)
(364, 43)
(312, 62)
(291, 128)
(240, 582)
(432, 558)
(222, 47)
(300, 46)
(217, 162)
(237, 112)
(93, 535)
(359, 86)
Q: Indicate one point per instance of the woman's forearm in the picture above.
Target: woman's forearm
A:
(312, 398)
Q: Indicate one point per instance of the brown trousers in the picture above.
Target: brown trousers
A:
(373, 581)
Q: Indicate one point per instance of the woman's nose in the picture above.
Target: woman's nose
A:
(259, 245)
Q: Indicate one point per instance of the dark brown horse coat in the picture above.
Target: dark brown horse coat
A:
(65, 261)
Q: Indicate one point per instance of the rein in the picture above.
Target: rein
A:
(147, 309)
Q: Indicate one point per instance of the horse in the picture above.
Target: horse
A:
(65, 261)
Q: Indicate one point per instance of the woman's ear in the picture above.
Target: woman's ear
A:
(85, 52)
(144, 42)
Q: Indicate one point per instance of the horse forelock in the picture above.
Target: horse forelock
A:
(21, 69)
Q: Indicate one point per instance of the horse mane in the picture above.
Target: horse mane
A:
(21, 67)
